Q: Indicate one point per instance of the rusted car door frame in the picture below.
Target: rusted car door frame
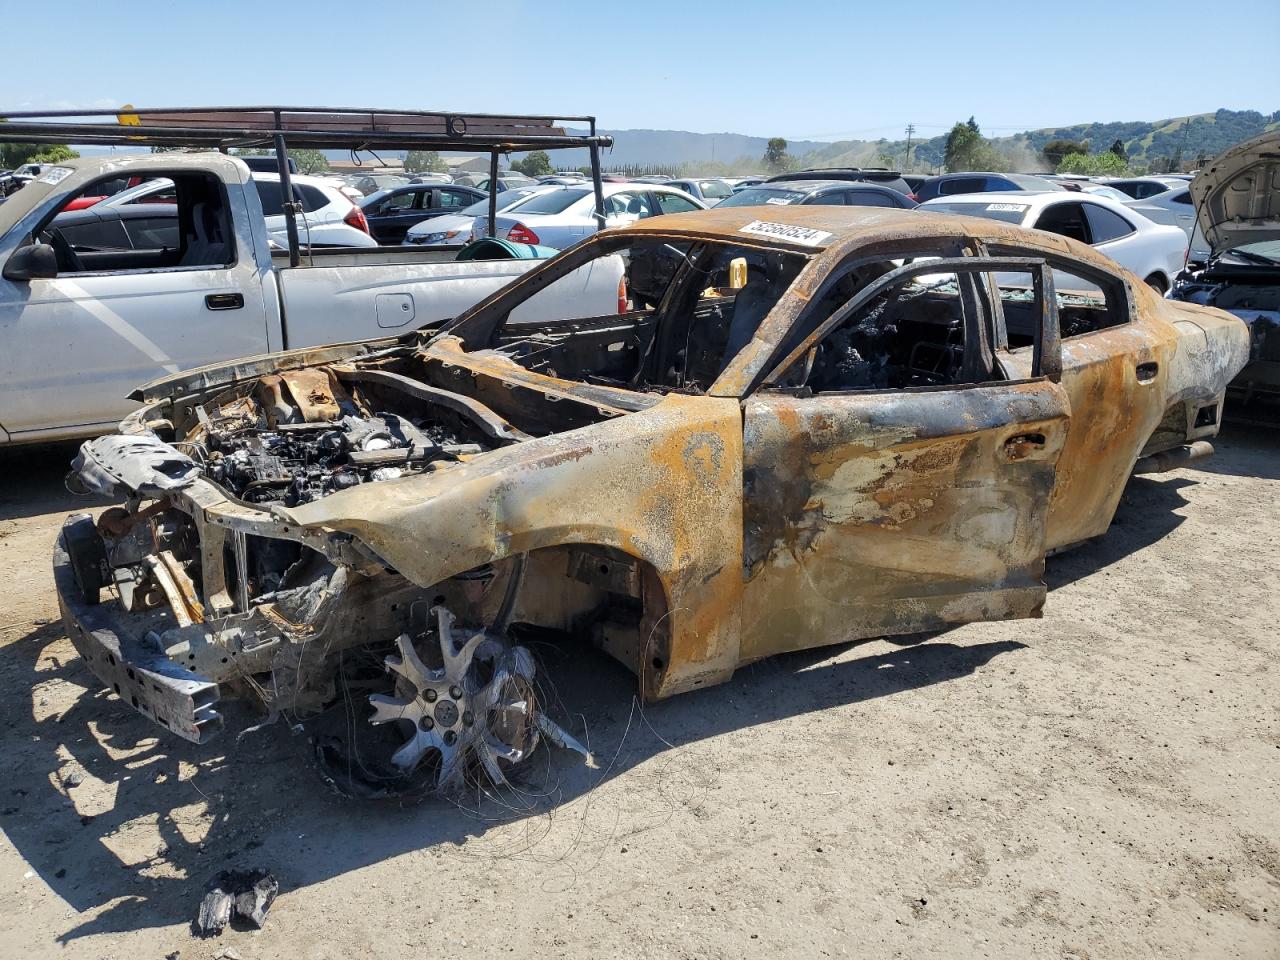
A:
(1046, 358)
(880, 512)
(1115, 379)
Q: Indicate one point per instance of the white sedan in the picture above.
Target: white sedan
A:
(564, 215)
(456, 227)
(328, 219)
(1151, 250)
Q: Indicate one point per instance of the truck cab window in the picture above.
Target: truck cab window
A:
(193, 231)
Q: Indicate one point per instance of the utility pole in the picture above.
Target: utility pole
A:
(1186, 128)
(911, 129)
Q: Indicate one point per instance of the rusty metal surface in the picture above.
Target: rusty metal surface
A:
(742, 522)
(879, 514)
(1114, 414)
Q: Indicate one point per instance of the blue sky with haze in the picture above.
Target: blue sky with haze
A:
(804, 71)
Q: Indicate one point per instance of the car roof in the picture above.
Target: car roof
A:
(818, 185)
(970, 173)
(833, 232)
(881, 170)
(1034, 199)
(1029, 198)
(299, 178)
(847, 174)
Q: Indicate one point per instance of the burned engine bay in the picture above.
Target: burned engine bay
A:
(275, 450)
(304, 623)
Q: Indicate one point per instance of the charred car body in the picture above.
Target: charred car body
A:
(1237, 203)
(829, 424)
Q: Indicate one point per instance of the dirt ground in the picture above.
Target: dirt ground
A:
(1101, 783)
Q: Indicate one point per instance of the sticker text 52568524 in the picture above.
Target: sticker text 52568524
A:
(786, 231)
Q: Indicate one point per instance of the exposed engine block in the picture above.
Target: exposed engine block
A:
(299, 462)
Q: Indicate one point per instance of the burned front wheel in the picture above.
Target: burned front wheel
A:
(462, 709)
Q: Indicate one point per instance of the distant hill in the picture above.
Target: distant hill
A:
(668, 148)
(1205, 134)
(675, 147)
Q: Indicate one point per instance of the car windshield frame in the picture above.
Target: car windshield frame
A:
(479, 326)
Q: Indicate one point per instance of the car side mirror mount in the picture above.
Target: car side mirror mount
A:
(36, 261)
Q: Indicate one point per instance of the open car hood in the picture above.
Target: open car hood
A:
(1237, 196)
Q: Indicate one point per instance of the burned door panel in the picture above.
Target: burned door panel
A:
(1116, 382)
(890, 513)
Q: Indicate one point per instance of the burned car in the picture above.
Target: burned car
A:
(807, 425)
(1237, 204)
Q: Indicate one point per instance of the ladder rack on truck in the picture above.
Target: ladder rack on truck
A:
(321, 128)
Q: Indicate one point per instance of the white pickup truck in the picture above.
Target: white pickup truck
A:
(81, 327)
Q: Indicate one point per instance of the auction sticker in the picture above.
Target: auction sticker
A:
(786, 231)
(1010, 207)
(57, 175)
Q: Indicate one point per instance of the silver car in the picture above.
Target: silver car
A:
(710, 190)
(456, 227)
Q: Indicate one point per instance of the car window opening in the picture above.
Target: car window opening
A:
(912, 334)
(1086, 304)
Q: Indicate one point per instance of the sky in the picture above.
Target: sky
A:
(819, 71)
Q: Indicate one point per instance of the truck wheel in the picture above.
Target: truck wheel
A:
(88, 555)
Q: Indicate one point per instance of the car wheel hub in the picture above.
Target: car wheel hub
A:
(477, 710)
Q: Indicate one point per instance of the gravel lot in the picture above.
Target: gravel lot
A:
(1101, 783)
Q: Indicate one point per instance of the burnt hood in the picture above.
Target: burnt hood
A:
(1237, 196)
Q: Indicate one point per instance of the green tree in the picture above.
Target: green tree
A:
(1055, 150)
(16, 154)
(776, 157)
(535, 164)
(967, 149)
(1094, 164)
(1117, 147)
(308, 161)
(424, 161)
